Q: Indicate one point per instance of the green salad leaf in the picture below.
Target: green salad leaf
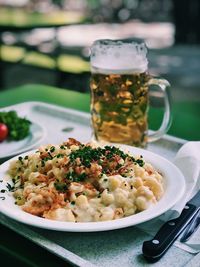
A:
(18, 127)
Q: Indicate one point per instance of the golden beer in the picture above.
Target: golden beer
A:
(119, 105)
(119, 93)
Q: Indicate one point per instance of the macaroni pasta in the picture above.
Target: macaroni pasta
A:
(78, 182)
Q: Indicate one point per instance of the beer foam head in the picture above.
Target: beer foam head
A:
(118, 57)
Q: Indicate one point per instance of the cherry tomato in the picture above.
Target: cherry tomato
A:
(3, 131)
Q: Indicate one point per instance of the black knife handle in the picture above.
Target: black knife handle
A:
(155, 248)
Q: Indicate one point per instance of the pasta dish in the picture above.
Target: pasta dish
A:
(76, 182)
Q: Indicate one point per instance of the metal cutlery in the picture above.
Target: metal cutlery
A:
(191, 228)
(155, 248)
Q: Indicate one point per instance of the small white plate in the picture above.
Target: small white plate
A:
(12, 148)
(174, 189)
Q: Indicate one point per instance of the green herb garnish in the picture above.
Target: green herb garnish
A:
(18, 128)
(60, 186)
(2, 191)
(10, 187)
(140, 162)
(87, 155)
(72, 176)
(52, 149)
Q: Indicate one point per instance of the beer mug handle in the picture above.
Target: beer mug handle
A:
(163, 85)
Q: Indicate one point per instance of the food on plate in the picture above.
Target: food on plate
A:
(78, 182)
(3, 132)
(17, 128)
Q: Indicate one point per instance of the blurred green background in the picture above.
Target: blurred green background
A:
(48, 42)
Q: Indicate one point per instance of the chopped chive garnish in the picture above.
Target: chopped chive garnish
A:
(52, 149)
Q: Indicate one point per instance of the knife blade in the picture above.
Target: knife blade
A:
(155, 248)
(191, 228)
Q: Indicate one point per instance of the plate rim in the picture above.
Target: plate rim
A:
(128, 221)
(33, 144)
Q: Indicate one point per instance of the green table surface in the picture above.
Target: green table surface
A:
(186, 115)
(48, 94)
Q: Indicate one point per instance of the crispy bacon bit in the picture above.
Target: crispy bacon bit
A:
(72, 141)
(44, 155)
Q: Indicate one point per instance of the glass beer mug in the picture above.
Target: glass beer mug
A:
(120, 93)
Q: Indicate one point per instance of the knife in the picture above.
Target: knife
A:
(155, 248)
(191, 228)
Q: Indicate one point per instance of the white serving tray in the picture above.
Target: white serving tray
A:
(112, 248)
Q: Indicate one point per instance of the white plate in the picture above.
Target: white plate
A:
(174, 189)
(12, 148)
